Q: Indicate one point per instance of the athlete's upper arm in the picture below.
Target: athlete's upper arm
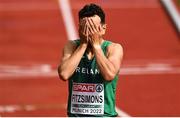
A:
(115, 55)
(68, 50)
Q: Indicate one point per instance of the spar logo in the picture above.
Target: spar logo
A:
(84, 87)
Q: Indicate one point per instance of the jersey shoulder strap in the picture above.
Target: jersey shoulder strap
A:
(105, 45)
(77, 42)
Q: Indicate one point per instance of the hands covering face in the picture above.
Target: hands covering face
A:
(90, 31)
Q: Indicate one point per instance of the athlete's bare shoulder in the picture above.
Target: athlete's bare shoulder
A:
(69, 48)
(70, 44)
(115, 48)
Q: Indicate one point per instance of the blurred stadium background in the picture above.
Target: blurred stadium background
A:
(33, 33)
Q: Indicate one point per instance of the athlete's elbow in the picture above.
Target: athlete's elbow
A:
(62, 75)
(110, 76)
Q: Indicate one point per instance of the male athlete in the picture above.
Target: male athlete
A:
(91, 66)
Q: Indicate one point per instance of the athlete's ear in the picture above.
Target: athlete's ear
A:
(104, 26)
(103, 29)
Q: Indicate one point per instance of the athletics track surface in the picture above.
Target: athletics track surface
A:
(33, 33)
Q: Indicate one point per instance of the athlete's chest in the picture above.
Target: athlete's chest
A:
(87, 71)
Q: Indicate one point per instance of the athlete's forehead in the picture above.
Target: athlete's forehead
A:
(95, 18)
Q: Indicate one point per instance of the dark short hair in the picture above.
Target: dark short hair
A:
(91, 10)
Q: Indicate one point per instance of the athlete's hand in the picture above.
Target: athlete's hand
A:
(84, 30)
(95, 33)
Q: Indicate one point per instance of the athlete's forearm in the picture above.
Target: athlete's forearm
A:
(68, 66)
(107, 69)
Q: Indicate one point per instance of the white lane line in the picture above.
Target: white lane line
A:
(68, 19)
(9, 108)
(156, 68)
(30, 107)
(43, 70)
(121, 113)
(171, 8)
(46, 70)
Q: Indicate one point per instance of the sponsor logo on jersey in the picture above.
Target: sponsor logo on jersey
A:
(87, 98)
(84, 87)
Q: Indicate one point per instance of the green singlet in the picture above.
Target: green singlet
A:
(89, 93)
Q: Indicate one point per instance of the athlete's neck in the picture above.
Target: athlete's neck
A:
(89, 50)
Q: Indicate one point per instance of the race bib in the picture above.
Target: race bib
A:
(87, 99)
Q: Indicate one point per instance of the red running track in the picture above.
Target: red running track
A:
(33, 33)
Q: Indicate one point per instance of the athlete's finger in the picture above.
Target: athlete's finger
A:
(94, 25)
(87, 27)
(100, 28)
(84, 29)
(90, 27)
(84, 24)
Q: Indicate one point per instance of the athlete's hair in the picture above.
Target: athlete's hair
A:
(91, 10)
